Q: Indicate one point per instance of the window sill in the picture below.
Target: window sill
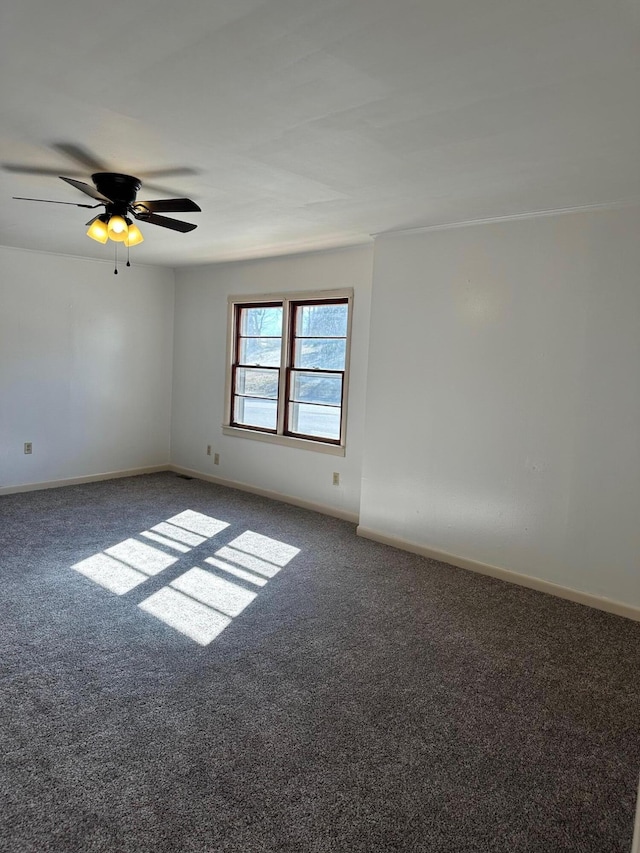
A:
(286, 440)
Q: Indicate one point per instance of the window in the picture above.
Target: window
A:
(287, 379)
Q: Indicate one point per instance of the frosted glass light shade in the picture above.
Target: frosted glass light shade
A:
(98, 231)
(134, 236)
(117, 229)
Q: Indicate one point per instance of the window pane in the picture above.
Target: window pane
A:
(253, 412)
(261, 321)
(321, 421)
(265, 351)
(316, 388)
(257, 383)
(321, 321)
(325, 353)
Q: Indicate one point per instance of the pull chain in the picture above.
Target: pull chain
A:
(128, 264)
(115, 272)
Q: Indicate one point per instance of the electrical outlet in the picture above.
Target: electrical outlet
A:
(28, 447)
(208, 450)
(216, 458)
(336, 478)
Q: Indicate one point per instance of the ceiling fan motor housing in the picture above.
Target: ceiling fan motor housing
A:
(121, 189)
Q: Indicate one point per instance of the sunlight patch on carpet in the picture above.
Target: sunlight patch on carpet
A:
(256, 580)
(162, 540)
(192, 618)
(200, 603)
(271, 550)
(179, 534)
(221, 594)
(110, 573)
(140, 556)
(255, 564)
(196, 522)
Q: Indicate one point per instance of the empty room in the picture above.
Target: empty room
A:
(320, 426)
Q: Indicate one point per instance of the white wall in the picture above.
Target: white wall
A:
(85, 366)
(503, 398)
(199, 376)
(502, 401)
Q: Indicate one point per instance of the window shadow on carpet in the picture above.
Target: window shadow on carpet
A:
(203, 600)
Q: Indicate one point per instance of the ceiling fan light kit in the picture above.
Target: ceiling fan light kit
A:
(134, 235)
(118, 193)
(98, 229)
(117, 229)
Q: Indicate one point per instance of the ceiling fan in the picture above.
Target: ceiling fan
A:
(117, 193)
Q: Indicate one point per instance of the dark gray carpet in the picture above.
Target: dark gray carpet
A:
(366, 700)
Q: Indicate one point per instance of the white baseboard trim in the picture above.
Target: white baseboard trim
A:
(75, 481)
(324, 509)
(598, 602)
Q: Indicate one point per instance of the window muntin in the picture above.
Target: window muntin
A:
(289, 368)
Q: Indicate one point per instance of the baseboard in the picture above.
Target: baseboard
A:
(324, 509)
(598, 602)
(75, 481)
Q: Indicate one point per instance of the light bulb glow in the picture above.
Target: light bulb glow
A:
(98, 231)
(134, 236)
(117, 229)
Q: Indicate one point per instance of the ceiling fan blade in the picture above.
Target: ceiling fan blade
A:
(165, 222)
(158, 188)
(168, 205)
(80, 155)
(51, 201)
(168, 173)
(86, 188)
(74, 152)
(22, 169)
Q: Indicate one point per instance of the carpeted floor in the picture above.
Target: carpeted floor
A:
(312, 692)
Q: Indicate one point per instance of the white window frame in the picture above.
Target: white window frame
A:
(279, 437)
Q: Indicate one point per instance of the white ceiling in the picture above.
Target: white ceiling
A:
(313, 124)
